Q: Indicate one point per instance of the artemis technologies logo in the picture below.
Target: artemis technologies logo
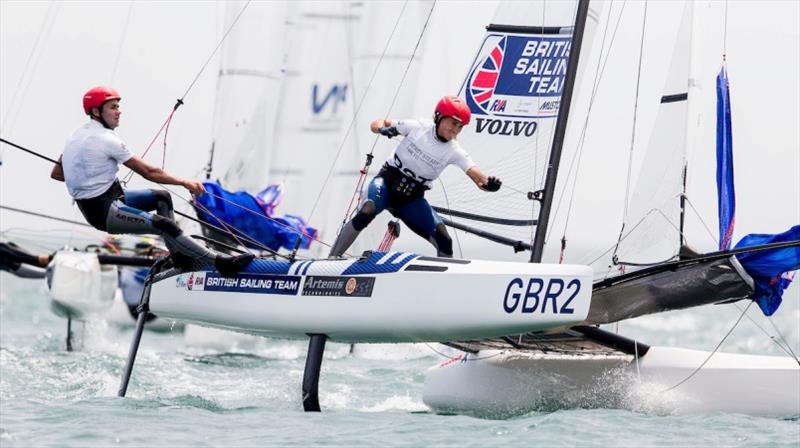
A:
(516, 79)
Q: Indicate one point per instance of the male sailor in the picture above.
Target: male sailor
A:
(22, 263)
(427, 149)
(89, 167)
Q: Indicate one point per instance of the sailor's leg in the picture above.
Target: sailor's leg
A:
(27, 271)
(425, 222)
(10, 254)
(375, 203)
(159, 201)
(122, 218)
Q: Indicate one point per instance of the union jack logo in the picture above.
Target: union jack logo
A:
(484, 79)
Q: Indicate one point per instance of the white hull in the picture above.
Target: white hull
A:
(504, 383)
(393, 297)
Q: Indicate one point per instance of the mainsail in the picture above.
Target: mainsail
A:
(514, 88)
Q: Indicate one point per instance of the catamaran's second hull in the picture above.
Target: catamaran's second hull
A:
(384, 297)
(494, 383)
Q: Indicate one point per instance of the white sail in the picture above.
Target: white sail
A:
(250, 76)
(514, 88)
(651, 230)
(311, 103)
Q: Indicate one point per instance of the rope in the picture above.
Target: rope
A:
(43, 31)
(30, 151)
(725, 33)
(633, 128)
(42, 215)
(121, 43)
(579, 153)
(248, 210)
(180, 101)
(694, 372)
(782, 343)
(227, 227)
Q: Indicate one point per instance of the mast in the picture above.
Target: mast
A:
(561, 128)
(691, 124)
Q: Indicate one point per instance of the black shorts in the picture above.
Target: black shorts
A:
(95, 209)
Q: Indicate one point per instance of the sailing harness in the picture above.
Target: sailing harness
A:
(404, 188)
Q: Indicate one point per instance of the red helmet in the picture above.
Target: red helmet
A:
(97, 96)
(453, 106)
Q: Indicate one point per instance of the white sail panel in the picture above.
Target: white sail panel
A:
(513, 87)
(652, 222)
(250, 75)
(311, 105)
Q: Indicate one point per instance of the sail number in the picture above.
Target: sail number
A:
(541, 295)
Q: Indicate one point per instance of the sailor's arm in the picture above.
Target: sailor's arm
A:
(486, 183)
(58, 171)
(376, 125)
(156, 174)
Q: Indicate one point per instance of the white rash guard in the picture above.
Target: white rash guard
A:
(423, 156)
(91, 160)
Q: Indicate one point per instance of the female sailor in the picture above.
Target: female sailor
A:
(427, 149)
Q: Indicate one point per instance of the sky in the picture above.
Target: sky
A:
(51, 52)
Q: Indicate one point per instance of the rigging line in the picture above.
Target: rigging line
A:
(360, 183)
(408, 66)
(725, 33)
(783, 344)
(447, 203)
(180, 100)
(121, 42)
(355, 114)
(598, 78)
(222, 223)
(42, 31)
(713, 237)
(42, 215)
(211, 56)
(633, 127)
(623, 237)
(275, 221)
(694, 372)
(29, 151)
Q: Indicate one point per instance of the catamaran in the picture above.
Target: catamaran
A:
(520, 90)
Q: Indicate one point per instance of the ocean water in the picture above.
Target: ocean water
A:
(248, 394)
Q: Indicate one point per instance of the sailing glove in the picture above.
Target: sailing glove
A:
(492, 184)
(389, 131)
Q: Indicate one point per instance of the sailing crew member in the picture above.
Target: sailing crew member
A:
(427, 149)
(22, 263)
(89, 167)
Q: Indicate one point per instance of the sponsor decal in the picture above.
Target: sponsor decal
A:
(252, 283)
(515, 79)
(316, 285)
(180, 281)
(335, 96)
